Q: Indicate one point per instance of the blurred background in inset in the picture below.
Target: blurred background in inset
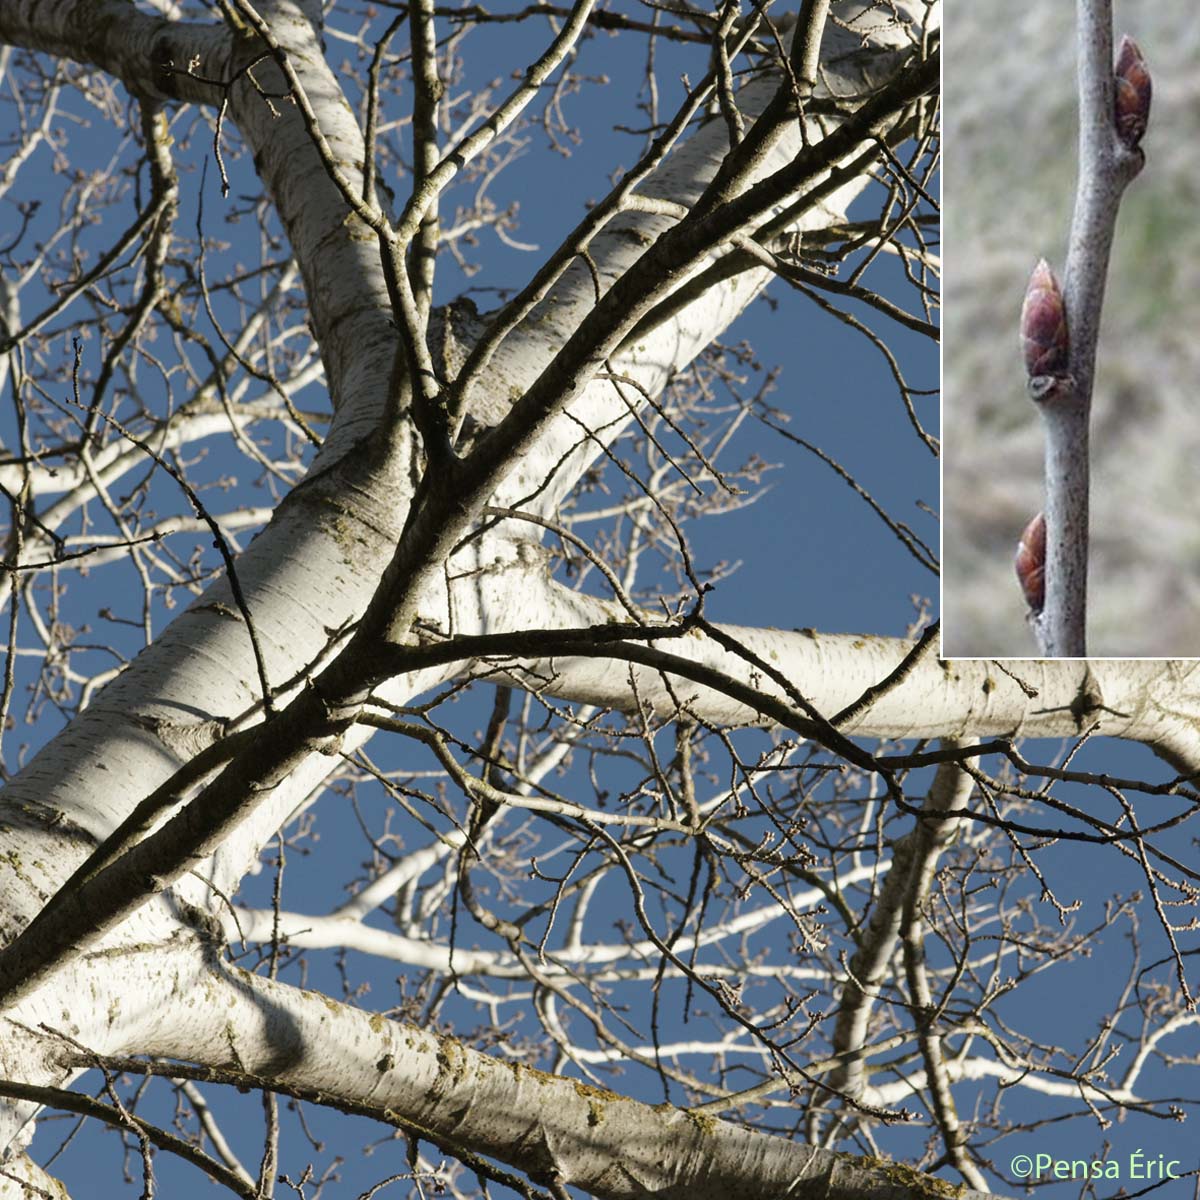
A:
(1010, 133)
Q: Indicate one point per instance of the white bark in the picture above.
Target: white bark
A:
(564, 1129)
(627, 959)
(22, 1179)
(1153, 702)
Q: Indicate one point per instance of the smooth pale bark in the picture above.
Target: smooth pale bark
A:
(1153, 702)
(22, 1179)
(309, 931)
(547, 1126)
(559, 1126)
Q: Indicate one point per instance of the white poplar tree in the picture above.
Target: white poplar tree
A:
(419, 480)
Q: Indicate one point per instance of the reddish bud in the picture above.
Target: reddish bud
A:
(1044, 325)
(1031, 563)
(1132, 93)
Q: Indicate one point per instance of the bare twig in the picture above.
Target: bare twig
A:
(1108, 160)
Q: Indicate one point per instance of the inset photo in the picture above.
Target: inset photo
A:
(1070, 355)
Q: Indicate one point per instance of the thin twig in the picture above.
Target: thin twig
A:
(1106, 166)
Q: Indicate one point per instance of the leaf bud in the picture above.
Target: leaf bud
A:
(1030, 563)
(1044, 325)
(1132, 102)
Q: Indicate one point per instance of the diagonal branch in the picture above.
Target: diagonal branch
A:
(543, 1125)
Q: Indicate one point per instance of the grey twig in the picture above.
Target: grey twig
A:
(1109, 158)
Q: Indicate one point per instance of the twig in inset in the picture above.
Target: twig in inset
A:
(1114, 106)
